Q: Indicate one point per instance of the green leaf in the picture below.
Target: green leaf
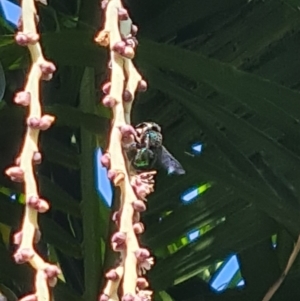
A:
(75, 118)
(8, 293)
(58, 198)
(242, 229)
(58, 153)
(11, 214)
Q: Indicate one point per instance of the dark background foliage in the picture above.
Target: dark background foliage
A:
(225, 73)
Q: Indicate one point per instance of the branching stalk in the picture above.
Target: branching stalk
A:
(23, 171)
(118, 35)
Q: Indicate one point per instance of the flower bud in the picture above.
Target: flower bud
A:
(15, 173)
(104, 4)
(142, 283)
(38, 204)
(134, 29)
(127, 130)
(17, 238)
(127, 96)
(45, 122)
(105, 160)
(142, 254)
(138, 228)
(23, 255)
(106, 88)
(33, 122)
(140, 191)
(25, 39)
(118, 241)
(111, 174)
(22, 98)
(37, 158)
(47, 69)
(52, 271)
(142, 86)
(112, 275)
(128, 52)
(108, 101)
(139, 205)
(119, 47)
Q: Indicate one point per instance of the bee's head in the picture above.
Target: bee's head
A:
(146, 126)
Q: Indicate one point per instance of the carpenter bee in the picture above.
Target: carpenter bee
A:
(147, 151)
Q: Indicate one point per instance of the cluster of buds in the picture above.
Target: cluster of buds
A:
(25, 39)
(143, 184)
(38, 204)
(42, 123)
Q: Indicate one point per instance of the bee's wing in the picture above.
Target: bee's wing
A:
(170, 163)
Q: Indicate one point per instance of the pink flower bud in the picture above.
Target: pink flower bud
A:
(43, 206)
(122, 14)
(138, 228)
(111, 174)
(119, 47)
(31, 297)
(45, 122)
(106, 87)
(127, 96)
(127, 130)
(25, 39)
(128, 52)
(33, 122)
(116, 216)
(142, 86)
(131, 41)
(103, 297)
(118, 238)
(139, 206)
(142, 254)
(140, 191)
(52, 281)
(104, 4)
(33, 201)
(15, 173)
(128, 297)
(37, 158)
(38, 204)
(118, 241)
(134, 29)
(105, 160)
(40, 124)
(142, 283)
(18, 237)
(52, 271)
(108, 101)
(47, 69)
(23, 255)
(22, 98)
(112, 275)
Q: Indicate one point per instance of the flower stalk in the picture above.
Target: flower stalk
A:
(118, 35)
(23, 171)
